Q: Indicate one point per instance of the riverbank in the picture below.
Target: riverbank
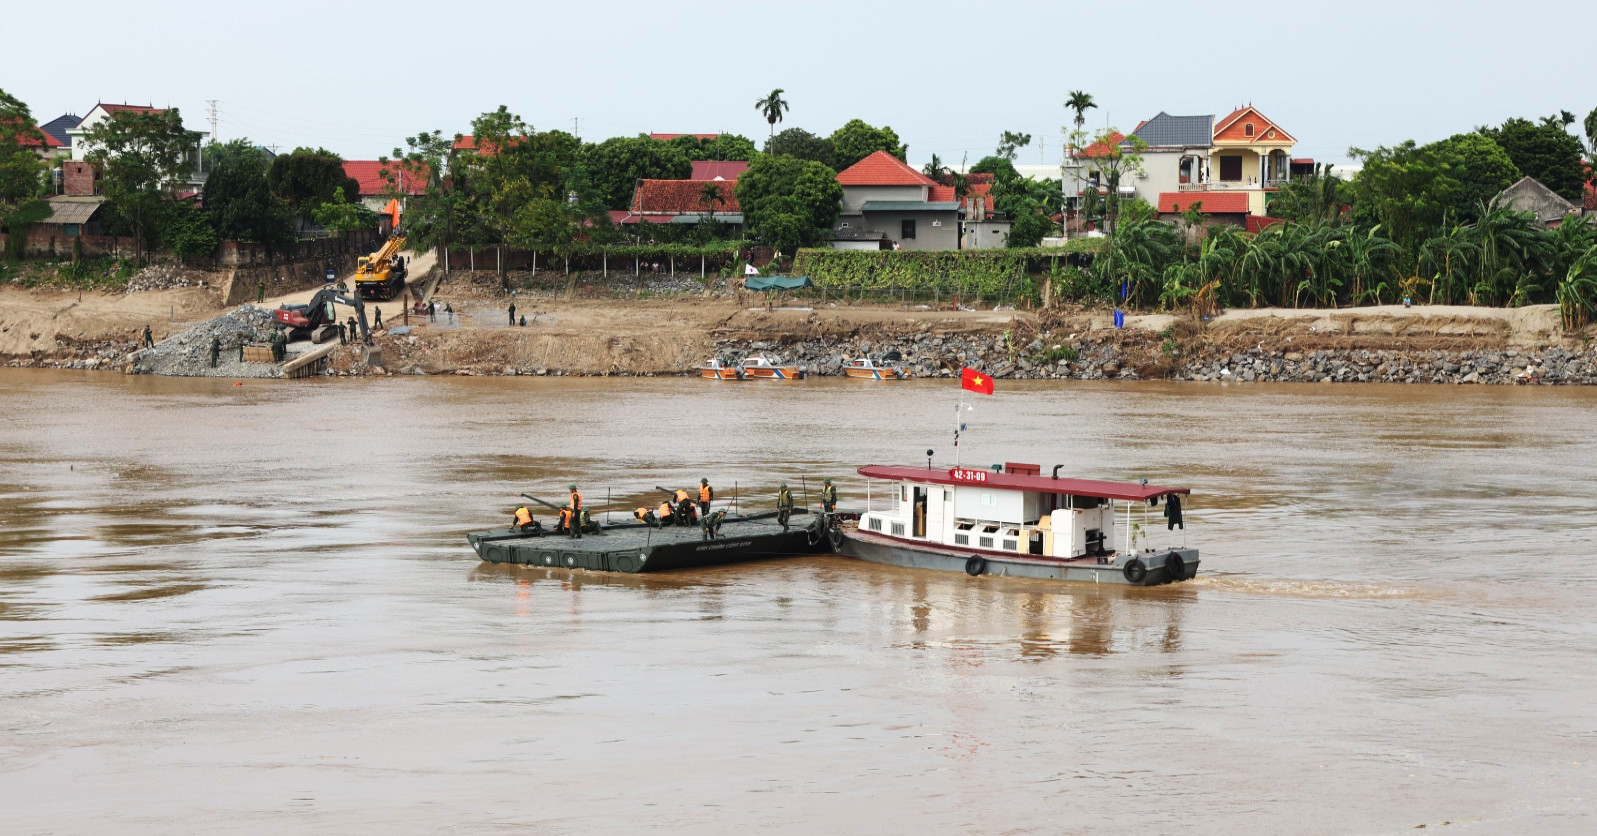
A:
(659, 332)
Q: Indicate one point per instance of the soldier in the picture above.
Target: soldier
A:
(686, 514)
(512, 313)
(828, 496)
(647, 517)
(567, 521)
(216, 350)
(576, 510)
(379, 321)
(432, 311)
(712, 524)
(663, 513)
(342, 335)
(352, 331)
(524, 521)
(149, 339)
(706, 496)
(260, 293)
(450, 310)
(784, 505)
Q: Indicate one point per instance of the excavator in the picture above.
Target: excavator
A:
(303, 320)
(381, 275)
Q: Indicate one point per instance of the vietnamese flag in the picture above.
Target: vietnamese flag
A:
(975, 381)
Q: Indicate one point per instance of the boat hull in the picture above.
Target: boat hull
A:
(1155, 566)
(634, 547)
(876, 374)
(719, 374)
(773, 373)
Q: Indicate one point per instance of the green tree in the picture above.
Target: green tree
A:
(1591, 131)
(520, 183)
(799, 143)
(772, 107)
(936, 170)
(1545, 151)
(238, 199)
(439, 215)
(21, 169)
(1321, 196)
(857, 140)
(1479, 166)
(186, 229)
(342, 216)
(143, 157)
(788, 202)
(1407, 190)
(1114, 161)
(308, 177)
(1010, 142)
(1029, 227)
(1080, 102)
(710, 196)
(719, 147)
(617, 164)
(1000, 167)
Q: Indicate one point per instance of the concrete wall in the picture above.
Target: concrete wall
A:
(927, 237)
(855, 196)
(982, 235)
(1163, 170)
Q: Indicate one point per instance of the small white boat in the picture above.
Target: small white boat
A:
(865, 368)
(1018, 523)
(717, 369)
(758, 367)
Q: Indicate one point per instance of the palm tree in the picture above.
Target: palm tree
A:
(1080, 101)
(935, 169)
(1576, 291)
(772, 108)
(710, 195)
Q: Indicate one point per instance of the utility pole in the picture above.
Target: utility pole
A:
(213, 103)
(576, 126)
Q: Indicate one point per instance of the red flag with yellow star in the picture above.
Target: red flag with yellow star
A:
(975, 381)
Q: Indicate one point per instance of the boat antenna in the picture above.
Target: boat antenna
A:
(928, 459)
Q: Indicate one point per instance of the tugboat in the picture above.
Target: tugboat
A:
(865, 368)
(1015, 522)
(718, 369)
(757, 367)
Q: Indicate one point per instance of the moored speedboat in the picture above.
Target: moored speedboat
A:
(758, 367)
(717, 369)
(866, 368)
(1018, 523)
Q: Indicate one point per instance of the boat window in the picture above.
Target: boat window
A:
(989, 499)
(961, 539)
(898, 529)
(989, 529)
(1087, 502)
(984, 542)
(1011, 545)
(876, 524)
(965, 525)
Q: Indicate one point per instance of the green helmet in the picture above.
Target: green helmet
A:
(704, 481)
(827, 481)
(784, 484)
(573, 487)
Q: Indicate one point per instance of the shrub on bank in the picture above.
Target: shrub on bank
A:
(1012, 275)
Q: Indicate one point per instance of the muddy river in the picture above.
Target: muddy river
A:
(250, 609)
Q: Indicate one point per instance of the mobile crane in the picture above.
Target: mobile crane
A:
(381, 275)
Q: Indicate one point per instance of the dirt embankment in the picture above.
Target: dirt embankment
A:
(659, 330)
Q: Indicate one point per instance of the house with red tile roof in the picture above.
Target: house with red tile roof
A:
(682, 202)
(718, 169)
(883, 195)
(42, 141)
(669, 137)
(374, 185)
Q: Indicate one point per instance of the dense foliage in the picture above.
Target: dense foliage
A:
(995, 274)
(788, 202)
(20, 166)
(617, 164)
(239, 200)
(143, 157)
(857, 140)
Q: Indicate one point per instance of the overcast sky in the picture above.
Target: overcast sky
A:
(358, 78)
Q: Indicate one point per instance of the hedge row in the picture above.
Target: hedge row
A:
(986, 273)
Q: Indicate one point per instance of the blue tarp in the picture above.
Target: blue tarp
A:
(777, 282)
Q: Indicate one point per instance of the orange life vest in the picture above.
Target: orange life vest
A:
(523, 516)
(576, 501)
(639, 514)
(682, 496)
(565, 517)
(706, 493)
(665, 510)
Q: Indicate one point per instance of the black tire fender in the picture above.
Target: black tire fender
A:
(1135, 570)
(1175, 568)
(834, 535)
(976, 566)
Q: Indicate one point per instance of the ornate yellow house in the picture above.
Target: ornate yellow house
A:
(1250, 153)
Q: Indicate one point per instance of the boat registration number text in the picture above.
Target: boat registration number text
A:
(966, 474)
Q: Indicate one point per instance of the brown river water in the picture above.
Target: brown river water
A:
(251, 610)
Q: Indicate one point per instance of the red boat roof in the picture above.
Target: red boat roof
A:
(1127, 491)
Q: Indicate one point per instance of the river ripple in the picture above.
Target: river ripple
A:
(249, 609)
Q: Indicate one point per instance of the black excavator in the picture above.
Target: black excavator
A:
(303, 320)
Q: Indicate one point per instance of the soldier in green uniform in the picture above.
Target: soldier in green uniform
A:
(712, 524)
(828, 496)
(149, 339)
(784, 505)
(216, 350)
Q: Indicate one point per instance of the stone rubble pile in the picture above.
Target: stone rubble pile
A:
(109, 354)
(188, 354)
(165, 277)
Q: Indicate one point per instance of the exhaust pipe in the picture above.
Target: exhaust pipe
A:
(1056, 470)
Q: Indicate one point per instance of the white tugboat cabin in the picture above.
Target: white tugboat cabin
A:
(1014, 521)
